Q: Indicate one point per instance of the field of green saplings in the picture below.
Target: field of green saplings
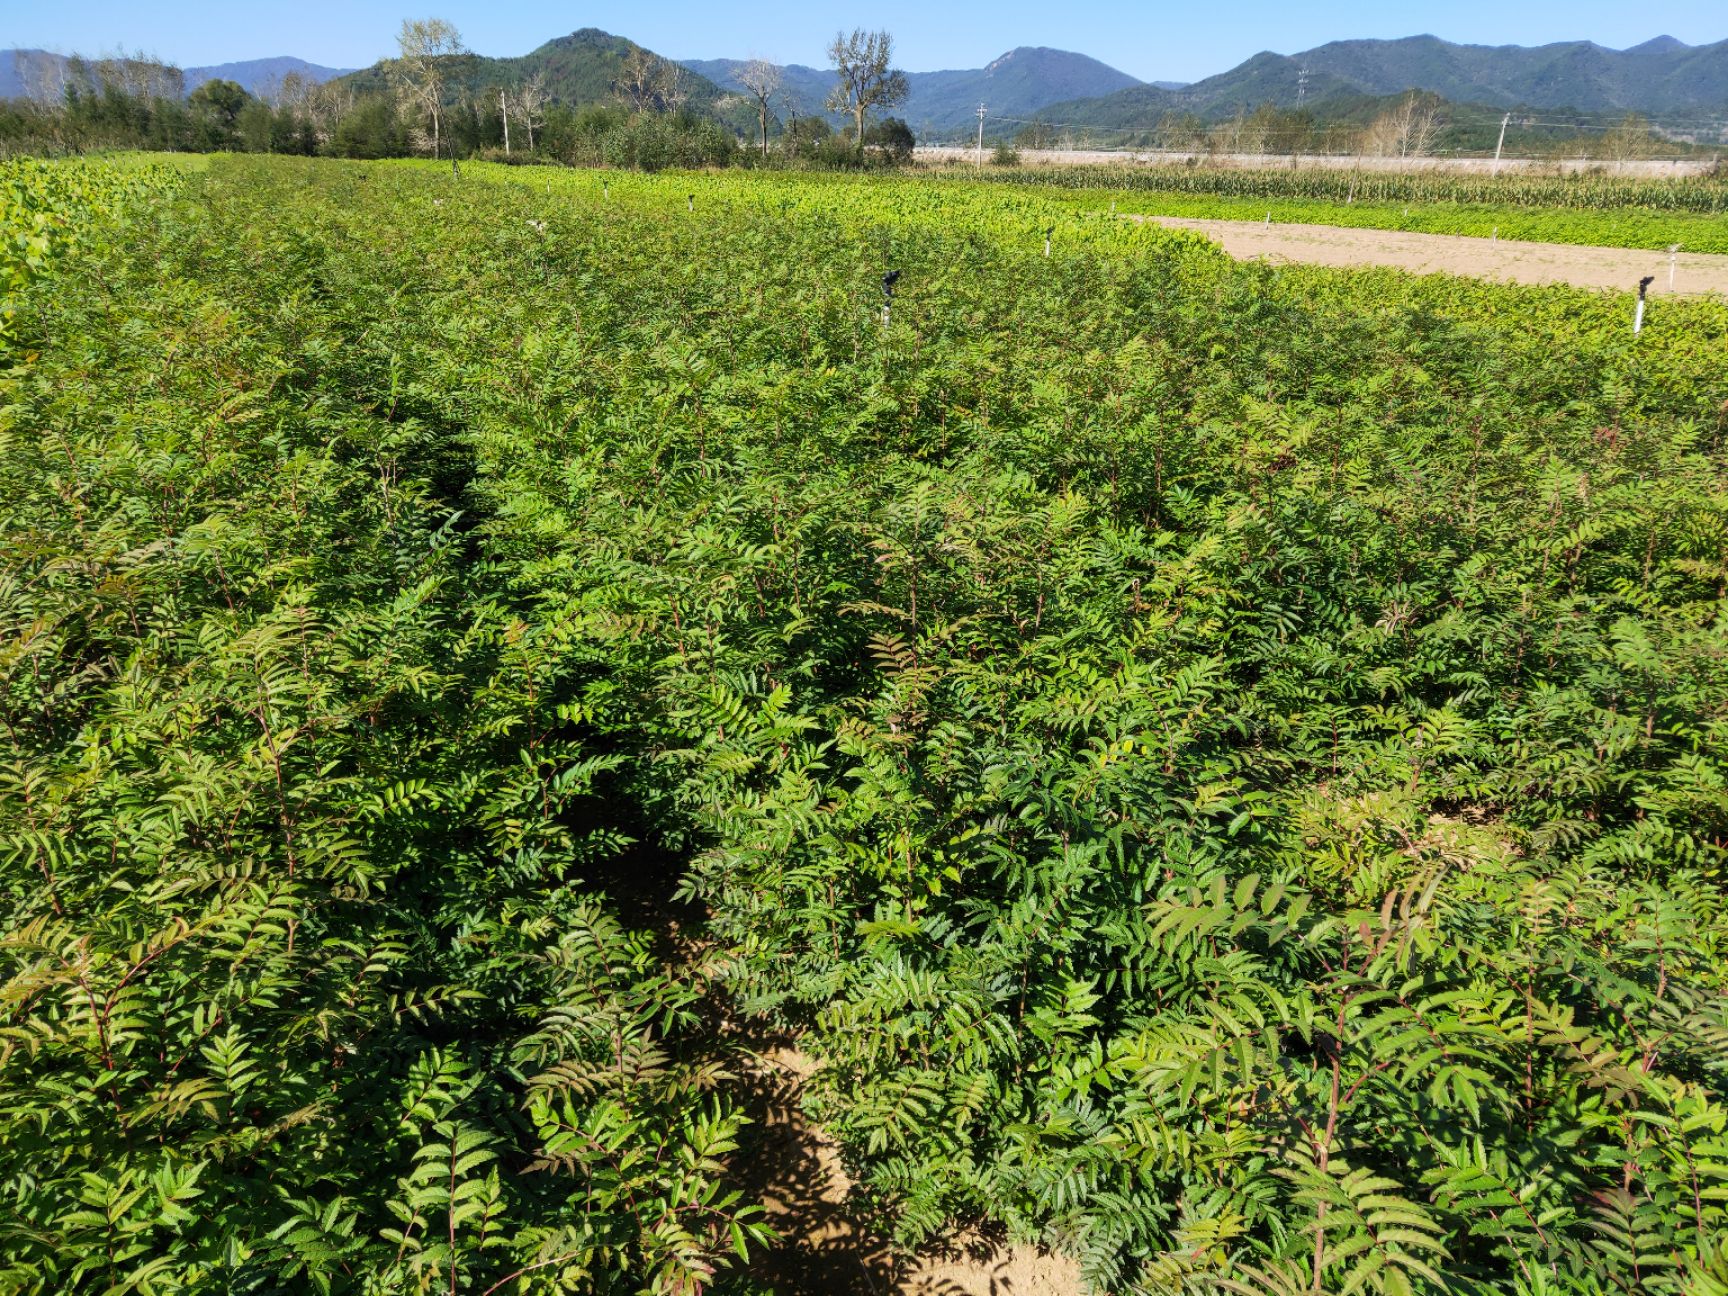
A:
(1593, 210)
(1224, 768)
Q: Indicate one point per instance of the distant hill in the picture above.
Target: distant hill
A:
(807, 86)
(578, 69)
(253, 74)
(258, 75)
(944, 103)
(1020, 82)
(1661, 76)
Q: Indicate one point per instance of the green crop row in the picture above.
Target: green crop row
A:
(1705, 195)
(1024, 211)
(1626, 227)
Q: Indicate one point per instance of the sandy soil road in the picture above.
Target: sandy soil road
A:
(1502, 259)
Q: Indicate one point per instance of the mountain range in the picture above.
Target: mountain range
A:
(1022, 81)
(252, 74)
(1661, 77)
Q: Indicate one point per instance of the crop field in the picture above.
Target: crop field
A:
(1595, 211)
(1222, 771)
(1506, 260)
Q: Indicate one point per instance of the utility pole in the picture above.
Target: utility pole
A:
(1504, 123)
(982, 111)
(504, 107)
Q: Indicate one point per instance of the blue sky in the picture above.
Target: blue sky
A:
(1150, 40)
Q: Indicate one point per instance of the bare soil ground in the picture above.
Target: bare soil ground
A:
(825, 1250)
(1502, 259)
(793, 1167)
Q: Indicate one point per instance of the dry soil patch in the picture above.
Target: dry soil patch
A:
(1503, 259)
(825, 1251)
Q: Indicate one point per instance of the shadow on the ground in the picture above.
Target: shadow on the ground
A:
(824, 1249)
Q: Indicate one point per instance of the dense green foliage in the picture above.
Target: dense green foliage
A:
(333, 122)
(307, 986)
(43, 210)
(1227, 768)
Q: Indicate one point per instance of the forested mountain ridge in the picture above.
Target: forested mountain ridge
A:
(585, 67)
(1024, 80)
(1660, 77)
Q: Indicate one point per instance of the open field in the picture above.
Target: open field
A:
(571, 733)
(1585, 211)
(1505, 260)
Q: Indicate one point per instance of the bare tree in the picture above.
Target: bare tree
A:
(325, 106)
(674, 86)
(1406, 130)
(761, 79)
(531, 104)
(1629, 140)
(426, 45)
(648, 83)
(867, 79)
(149, 78)
(291, 90)
(42, 75)
(638, 81)
(133, 74)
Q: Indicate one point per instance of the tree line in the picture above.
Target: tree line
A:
(426, 103)
(1415, 124)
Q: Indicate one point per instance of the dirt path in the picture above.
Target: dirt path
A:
(1502, 259)
(824, 1251)
(792, 1167)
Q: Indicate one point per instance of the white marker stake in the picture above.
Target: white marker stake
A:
(1638, 317)
(1047, 234)
(1268, 220)
(1673, 256)
(692, 202)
